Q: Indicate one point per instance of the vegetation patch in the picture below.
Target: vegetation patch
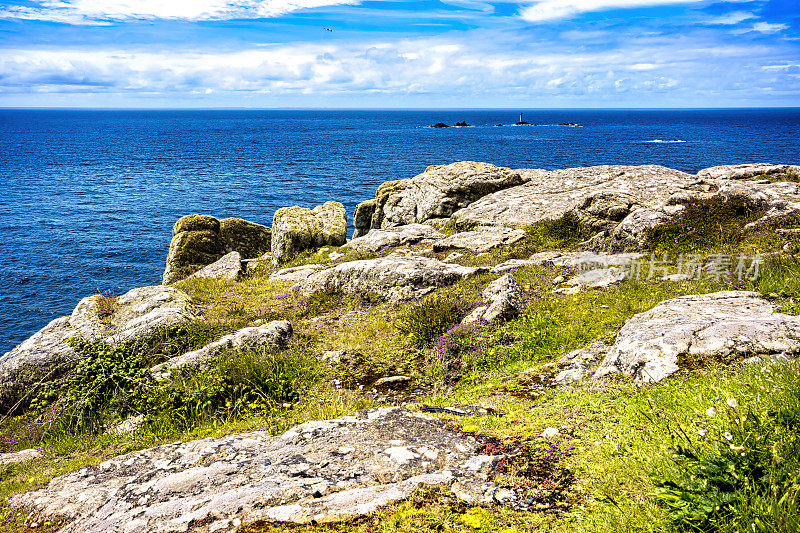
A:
(743, 474)
(789, 175)
(705, 224)
(425, 321)
(106, 306)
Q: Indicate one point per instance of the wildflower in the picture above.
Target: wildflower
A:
(703, 432)
(711, 411)
(727, 436)
(733, 403)
(736, 448)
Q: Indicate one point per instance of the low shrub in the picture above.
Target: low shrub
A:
(705, 224)
(238, 383)
(744, 474)
(106, 305)
(424, 321)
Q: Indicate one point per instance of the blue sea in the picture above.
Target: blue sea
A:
(88, 198)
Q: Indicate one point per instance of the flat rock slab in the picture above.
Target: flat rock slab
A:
(320, 471)
(20, 456)
(583, 260)
(718, 326)
(600, 195)
(272, 336)
(481, 239)
(228, 267)
(599, 278)
(746, 171)
(378, 239)
(298, 273)
(396, 277)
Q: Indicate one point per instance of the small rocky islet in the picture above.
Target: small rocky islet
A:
(476, 243)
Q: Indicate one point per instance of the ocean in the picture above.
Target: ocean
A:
(88, 198)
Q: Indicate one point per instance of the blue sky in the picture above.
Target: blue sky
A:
(399, 53)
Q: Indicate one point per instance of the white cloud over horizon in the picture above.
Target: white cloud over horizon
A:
(547, 10)
(104, 11)
(434, 67)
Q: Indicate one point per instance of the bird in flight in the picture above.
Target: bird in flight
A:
(328, 29)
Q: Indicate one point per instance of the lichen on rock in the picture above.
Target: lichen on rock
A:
(320, 471)
(397, 277)
(295, 229)
(200, 240)
(719, 326)
(436, 193)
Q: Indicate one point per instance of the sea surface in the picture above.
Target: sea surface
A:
(88, 198)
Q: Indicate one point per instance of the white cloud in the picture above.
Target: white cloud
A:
(100, 11)
(734, 17)
(460, 68)
(558, 9)
(766, 27)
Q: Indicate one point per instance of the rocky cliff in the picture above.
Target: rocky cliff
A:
(532, 296)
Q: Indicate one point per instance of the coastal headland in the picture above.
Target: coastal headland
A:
(599, 348)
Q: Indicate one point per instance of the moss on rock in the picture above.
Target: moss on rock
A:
(196, 223)
(298, 228)
(248, 238)
(190, 251)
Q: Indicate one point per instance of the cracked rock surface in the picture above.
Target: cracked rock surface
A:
(376, 239)
(505, 300)
(436, 193)
(321, 471)
(481, 239)
(395, 277)
(599, 196)
(720, 326)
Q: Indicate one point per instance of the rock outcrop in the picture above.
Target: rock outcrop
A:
(749, 171)
(720, 326)
(505, 300)
(396, 277)
(200, 240)
(272, 336)
(248, 238)
(481, 239)
(317, 471)
(598, 278)
(377, 239)
(136, 314)
(599, 197)
(436, 193)
(229, 266)
(583, 260)
(298, 273)
(295, 229)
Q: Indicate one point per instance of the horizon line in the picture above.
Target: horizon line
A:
(516, 109)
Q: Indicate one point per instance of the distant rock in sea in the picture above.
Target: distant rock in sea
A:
(440, 125)
(462, 124)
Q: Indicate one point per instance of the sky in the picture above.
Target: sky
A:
(399, 53)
